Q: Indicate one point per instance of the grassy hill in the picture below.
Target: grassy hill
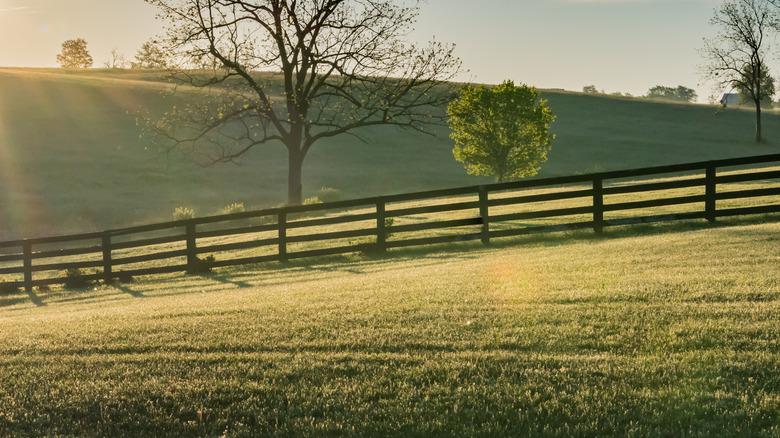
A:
(563, 336)
(71, 158)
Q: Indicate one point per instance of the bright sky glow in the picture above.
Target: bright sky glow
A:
(616, 45)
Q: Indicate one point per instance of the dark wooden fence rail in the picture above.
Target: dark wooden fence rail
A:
(174, 246)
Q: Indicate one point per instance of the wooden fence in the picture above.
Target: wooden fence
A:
(485, 212)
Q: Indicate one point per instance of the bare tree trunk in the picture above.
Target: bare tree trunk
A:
(759, 138)
(294, 184)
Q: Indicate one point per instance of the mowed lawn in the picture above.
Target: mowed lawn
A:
(647, 331)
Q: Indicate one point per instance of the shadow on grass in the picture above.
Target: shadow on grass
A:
(35, 299)
(225, 280)
(271, 274)
(361, 263)
(128, 291)
(20, 297)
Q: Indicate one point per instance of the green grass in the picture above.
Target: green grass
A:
(641, 332)
(71, 159)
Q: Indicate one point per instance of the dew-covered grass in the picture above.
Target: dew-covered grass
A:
(636, 333)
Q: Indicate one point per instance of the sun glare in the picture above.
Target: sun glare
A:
(511, 279)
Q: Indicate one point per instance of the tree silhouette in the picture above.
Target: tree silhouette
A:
(735, 58)
(74, 54)
(295, 72)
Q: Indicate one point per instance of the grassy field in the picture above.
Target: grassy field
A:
(652, 331)
(646, 331)
(71, 159)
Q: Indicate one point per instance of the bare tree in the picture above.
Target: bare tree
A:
(736, 57)
(117, 60)
(150, 56)
(295, 72)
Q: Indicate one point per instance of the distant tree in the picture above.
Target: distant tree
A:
(117, 60)
(150, 56)
(679, 94)
(74, 54)
(735, 58)
(767, 88)
(589, 89)
(501, 131)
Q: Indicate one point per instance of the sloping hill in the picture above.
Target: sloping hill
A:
(71, 158)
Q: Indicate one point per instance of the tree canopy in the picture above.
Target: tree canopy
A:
(74, 54)
(678, 94)
(295, 72)
(501, 131)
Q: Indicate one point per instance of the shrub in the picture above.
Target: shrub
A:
(74, 279)
(311, 201)
(8, 287)
(124, 277)
(388, 223)
(233, 208)
(202, 266)
(182, 213)
(327, 194)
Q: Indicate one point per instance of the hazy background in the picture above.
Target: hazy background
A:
(616, 45)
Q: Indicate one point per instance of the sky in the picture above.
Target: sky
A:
(623, 46)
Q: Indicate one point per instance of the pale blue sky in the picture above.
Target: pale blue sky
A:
(616, 45)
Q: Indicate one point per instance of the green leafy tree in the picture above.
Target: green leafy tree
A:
(292, 73)
(75, 54)
(501, 131)
(679, 94)
(590, 89)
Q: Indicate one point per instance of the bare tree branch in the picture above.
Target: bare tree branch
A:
(735, 58)
(296, 72)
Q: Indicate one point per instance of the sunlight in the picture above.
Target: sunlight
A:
(512, 279)
(12, 212)
(23, 204)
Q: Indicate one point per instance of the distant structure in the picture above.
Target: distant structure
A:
(730, 100)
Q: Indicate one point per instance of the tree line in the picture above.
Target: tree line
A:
(659, 92)
(75, 54)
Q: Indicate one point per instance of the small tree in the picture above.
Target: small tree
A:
(150, 55)
(75, 54)
(590, 89)
(117, 60)
(501, 131)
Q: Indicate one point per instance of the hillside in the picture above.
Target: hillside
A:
(71, 158)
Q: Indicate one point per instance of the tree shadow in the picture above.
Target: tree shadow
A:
(35, 299)
(128, 291)
(224, 280)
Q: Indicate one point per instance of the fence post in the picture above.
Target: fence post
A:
(192, 249)
(106, 245)
(381, 232)
(484, 214)
(27, 252)
(598, 205)
(282, 223)
(710, 194)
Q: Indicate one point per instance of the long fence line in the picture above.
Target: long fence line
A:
(499, 210)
